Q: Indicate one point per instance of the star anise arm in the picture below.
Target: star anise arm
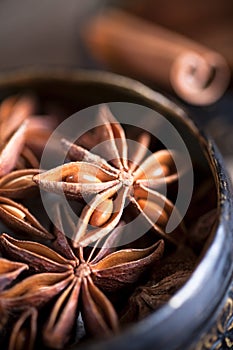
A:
(19, 184)
(6, 108)
(103, 212)
(124, 267)
(18, 217)
(78, 153)
(9, 271)
(108, 244)
(99, 316)
(112, 136)
(27, 159)
(34, 291)
(12, 149)
(60, 242)
(76, 179)
(13, 112)
(61, 245)
(39, 257)
(38, 132)
(58, 329)
(23, 334)
(159, 168)
(157, 210)
(139, 152)
(153, 206)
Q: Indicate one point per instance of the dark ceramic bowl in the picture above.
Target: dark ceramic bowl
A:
(200, 314)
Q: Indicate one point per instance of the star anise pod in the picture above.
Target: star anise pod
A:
(164, 281)
(11, 150)
(9, 271)
(14, 112)
(38, 132)
(74, 280)
(112, 183)
(23, 333)
(22, 133)
(19, 218)
(18, 184)
(149, 298)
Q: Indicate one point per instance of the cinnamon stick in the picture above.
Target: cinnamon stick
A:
(133, 46)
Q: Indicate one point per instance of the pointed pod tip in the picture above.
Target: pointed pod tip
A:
(36, 178)
(161, 246)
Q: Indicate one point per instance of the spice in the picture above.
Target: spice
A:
(23, 334)
(19, 218)
(18, 184)
(9, 270)
(114, 182)
(74, 279)
(165, 280)
(147, 299)
(17, 133)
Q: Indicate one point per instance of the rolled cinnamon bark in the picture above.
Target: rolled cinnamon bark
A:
(136, 47)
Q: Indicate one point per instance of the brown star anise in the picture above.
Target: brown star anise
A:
(18, 184)
(19, 218)
(114, 182)
(14, 112)
(72, 280)
(9, 271)
(22, 133)
(23, 335)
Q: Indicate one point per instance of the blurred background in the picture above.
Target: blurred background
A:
(61, 33)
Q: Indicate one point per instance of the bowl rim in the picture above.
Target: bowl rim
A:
(212, 262)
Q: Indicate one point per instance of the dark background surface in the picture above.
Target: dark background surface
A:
(46, 33)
